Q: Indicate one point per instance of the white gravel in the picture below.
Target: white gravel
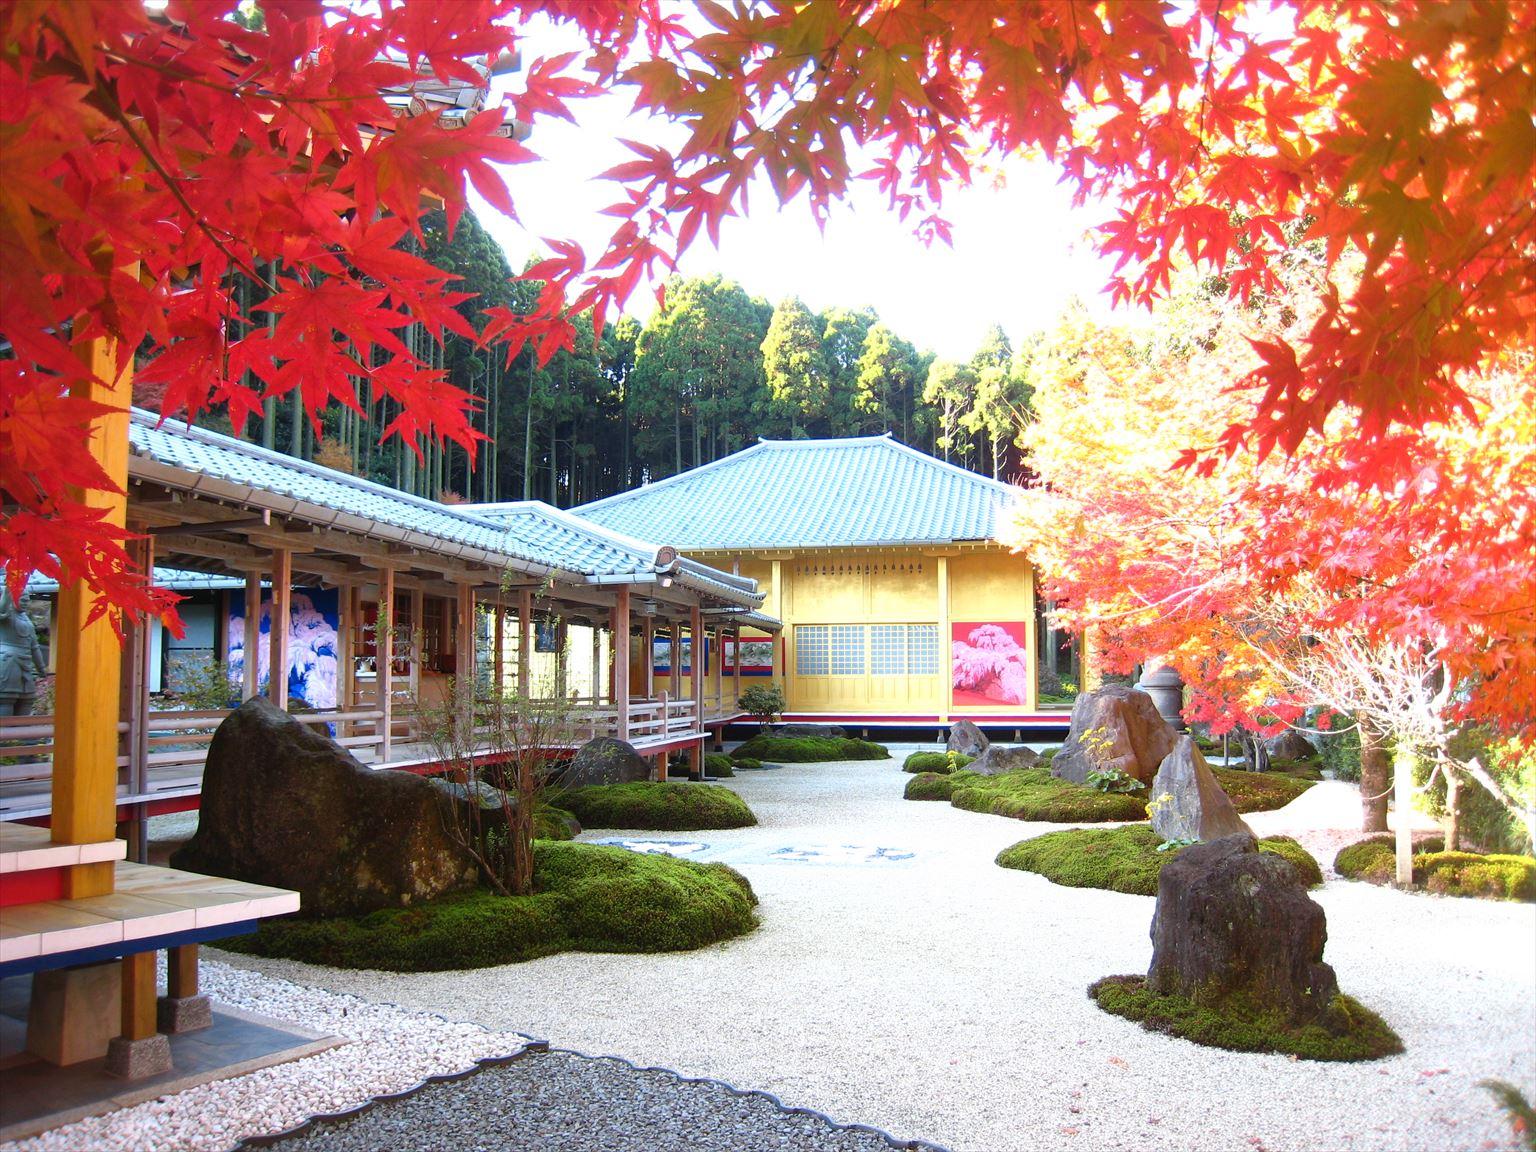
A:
(390, 1050)
(942, 997)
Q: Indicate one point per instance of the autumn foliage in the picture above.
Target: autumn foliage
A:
(147, 160)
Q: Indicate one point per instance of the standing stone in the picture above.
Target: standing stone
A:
(1187, 801)
(604, 760)
(284, 805)
(967, 739)
(1236, 924)
(1290, 745)
(997, 759)
(1134, 738)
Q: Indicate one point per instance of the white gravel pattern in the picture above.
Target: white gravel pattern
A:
(390, 1050)
(942, 997)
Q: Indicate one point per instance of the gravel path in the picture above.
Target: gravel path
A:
(561, 1102)
(900, 979)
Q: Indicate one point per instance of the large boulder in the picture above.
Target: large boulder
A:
(1187, 802)
(1290, 745)
(604, 760)
(1235, 926)
(967, 739)
(997, 759)
(284, 805)
(807, 731)
(1114, 727)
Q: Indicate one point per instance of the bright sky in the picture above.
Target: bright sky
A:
(1018, 257)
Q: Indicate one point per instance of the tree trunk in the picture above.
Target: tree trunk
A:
(1452, 808)
(528, 434)
(1375, 781)
(1255, 754)
(1402, 802)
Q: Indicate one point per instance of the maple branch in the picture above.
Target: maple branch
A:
(1205, 83)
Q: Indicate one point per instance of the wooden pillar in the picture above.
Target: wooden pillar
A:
(736, 670)
(945, 672)
(661, 757)
(525, 644)
(717, 665)
(384, 661)
(464, 657)
(138, 996)
(84, 787)
(499, 649)
(418, 645)
(562, 638)
(346, 643)
(133, 705)
(181, 971)
(251, 685)
(696, 686)
(648, 655)
(675, 657)
(620, 629)
(277, 636)
(597, 658)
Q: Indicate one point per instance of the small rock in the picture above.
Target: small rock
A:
(967, 739)
(604, 760)
(998, 759)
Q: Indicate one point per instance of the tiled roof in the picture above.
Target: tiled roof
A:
(177, 579)
(531, 538)
(867, 490)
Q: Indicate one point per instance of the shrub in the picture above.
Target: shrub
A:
(810, 749)
(663, 807)
(717, 764)
(587, 897)
(1259, 791)
(941, 762)
(762, 702)
(746, 763)
(1496, 877)
(929, 786)
(1034, 794)
(1468, 874)
(1122, 859)
(1347, 1031)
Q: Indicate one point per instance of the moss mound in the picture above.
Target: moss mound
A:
(551, 823)
(669, 806)
(1348, 1031)
(1260, 791)
(746, 763)
(810, 749)
(1435, 870)
(929, 786)
(587, 898)
(1122, 859)
(718, 764)
(941, 762)
(1034, 794)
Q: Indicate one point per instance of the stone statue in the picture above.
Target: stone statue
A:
(22, 659)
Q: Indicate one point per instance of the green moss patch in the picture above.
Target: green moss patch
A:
(1348, 1031)
(1260, 791)
(551, 823)
(1435, 870)
(746, 763)
(661, 807)
(929, 786)
(810, 749)
(1122, 859)
(941, 762)
(1034, 794)
(587, 898)
(718, 764)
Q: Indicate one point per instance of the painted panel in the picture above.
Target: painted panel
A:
(312, 645)
(757, 652)
(990, 665)
(990, 586)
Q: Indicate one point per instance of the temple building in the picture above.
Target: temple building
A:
(899, 607)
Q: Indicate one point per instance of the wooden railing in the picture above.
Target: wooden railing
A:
(168, 749)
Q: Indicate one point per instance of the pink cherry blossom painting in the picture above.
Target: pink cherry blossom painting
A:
(990, 665)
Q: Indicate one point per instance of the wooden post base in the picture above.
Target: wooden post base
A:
(73, 1013)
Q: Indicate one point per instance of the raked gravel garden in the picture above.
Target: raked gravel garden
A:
(898, 979)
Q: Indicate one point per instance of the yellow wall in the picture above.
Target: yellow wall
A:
(897, 586)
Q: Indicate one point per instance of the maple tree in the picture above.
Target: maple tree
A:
(148, 159)
(1278, 584)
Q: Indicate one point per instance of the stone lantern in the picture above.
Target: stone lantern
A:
(1161, 682)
